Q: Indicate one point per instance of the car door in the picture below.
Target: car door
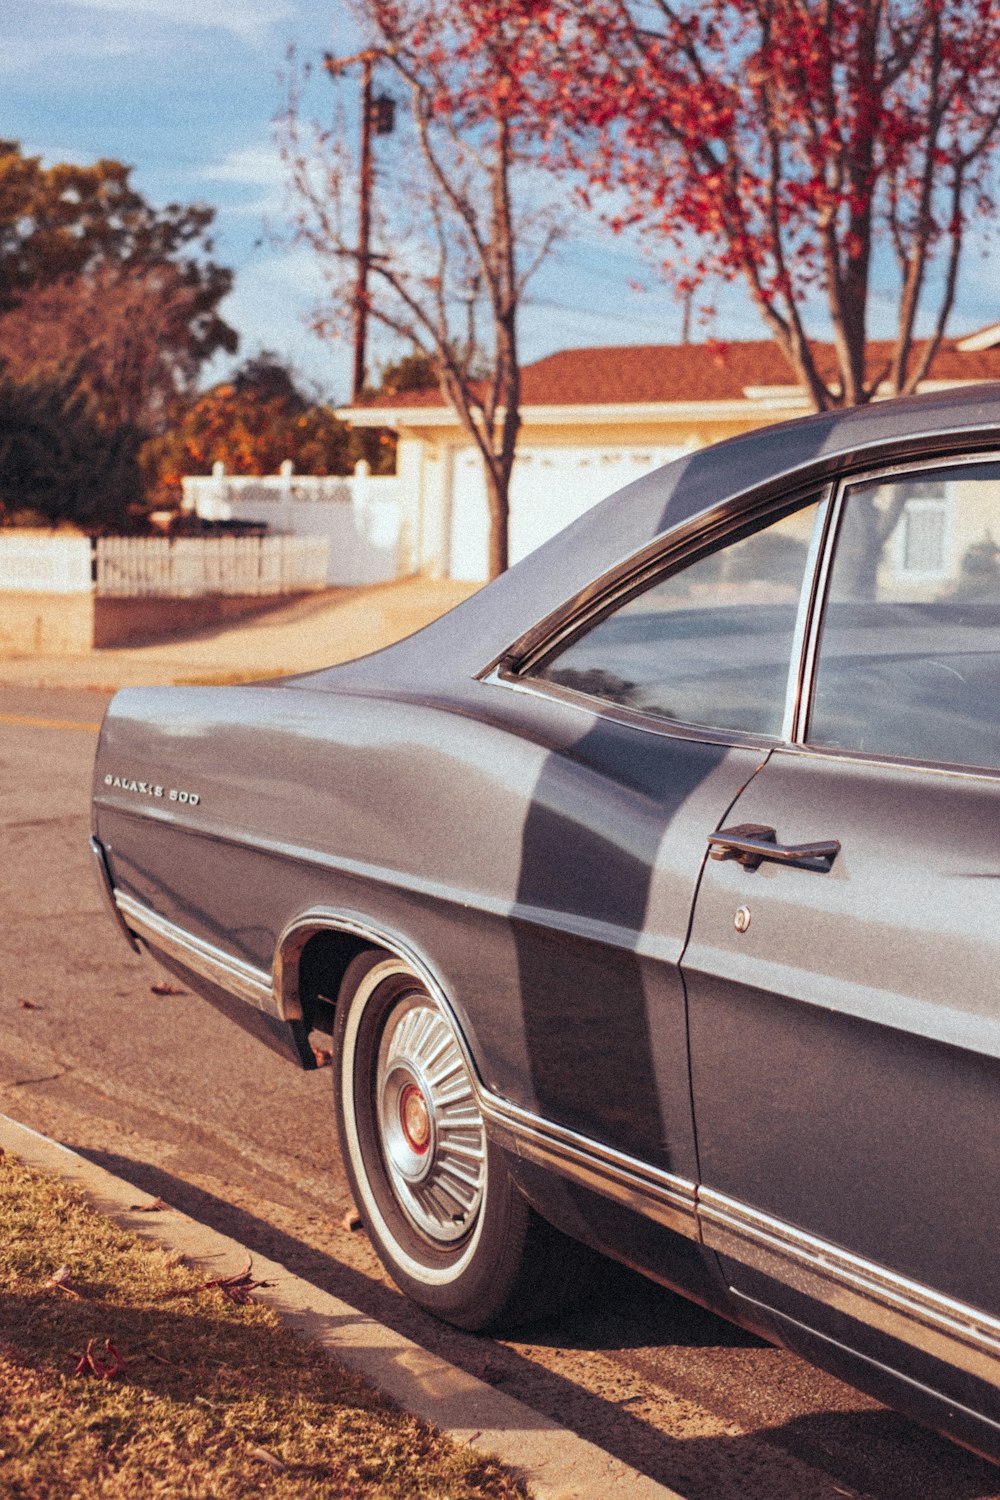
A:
(658, 708)
(843, 969)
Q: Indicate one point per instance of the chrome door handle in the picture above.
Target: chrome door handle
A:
(751, 843)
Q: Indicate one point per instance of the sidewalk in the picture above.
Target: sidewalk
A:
(300, 637)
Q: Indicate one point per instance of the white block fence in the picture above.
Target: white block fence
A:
(40, 562)
(360, 514)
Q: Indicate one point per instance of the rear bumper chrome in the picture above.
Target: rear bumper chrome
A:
(104, 876)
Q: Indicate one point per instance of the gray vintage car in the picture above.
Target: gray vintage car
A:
(652, 898)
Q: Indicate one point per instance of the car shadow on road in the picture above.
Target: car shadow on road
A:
(871, 1452)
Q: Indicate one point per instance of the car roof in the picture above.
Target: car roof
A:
(747, 469)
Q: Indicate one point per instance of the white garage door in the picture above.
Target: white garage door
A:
(550, 488)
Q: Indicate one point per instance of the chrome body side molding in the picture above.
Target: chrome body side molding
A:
(655, 1194)
(241, 979)
(939, 1326)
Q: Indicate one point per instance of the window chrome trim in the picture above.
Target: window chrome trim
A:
(230, 973)
(937, 1325)
(685, 543)
(633, 718)
(513, 673)
(810, 593)
(892, 471)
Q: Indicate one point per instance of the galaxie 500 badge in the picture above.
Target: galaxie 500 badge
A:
(152, 789)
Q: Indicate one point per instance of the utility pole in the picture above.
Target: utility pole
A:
(378, 114)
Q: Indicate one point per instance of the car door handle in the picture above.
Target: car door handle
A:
(751, 843)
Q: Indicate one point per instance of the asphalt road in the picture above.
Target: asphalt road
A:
(168, 1094)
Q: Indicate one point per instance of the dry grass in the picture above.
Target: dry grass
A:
(215, 1400)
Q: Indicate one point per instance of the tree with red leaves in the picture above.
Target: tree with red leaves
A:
(126, 333)
(457, 235)
(805, 146)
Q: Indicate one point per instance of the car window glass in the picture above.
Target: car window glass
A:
(708, 645)
(909, 657)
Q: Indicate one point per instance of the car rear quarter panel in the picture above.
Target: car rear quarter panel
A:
(404, 815)
(418, 820)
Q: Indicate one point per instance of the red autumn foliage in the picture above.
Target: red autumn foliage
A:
(788, 143)
(125, 332)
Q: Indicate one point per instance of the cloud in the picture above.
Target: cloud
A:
(250, 167)
(253, 166)
(249, 20)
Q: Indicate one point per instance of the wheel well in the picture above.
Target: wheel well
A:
(322, 965)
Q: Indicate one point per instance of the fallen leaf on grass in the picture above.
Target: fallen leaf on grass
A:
(237, 1288)
(351, 1221)
(30, 1005)
(105, 1369)
(323, 1057)
(270, 1459)
(165, 989)
(161, 1360)
(147, 1208)
(62, 1280)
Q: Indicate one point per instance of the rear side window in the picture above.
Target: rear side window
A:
(710, 644)
(909, 652)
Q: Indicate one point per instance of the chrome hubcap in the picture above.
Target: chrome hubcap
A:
(430, 1127)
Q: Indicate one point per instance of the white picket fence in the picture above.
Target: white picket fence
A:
(186, 567)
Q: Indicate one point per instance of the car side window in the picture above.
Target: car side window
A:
(909, 651)
(708, 645)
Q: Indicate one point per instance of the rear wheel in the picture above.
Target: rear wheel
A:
(438, 1202)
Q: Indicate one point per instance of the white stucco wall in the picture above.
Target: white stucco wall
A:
(362, 515)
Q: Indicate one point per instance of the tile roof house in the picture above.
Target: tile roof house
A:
(592, 421)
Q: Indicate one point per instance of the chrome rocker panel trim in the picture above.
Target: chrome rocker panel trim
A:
(243, 980)
(939, 1326)
(655, 1194)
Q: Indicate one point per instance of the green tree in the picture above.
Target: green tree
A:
(59, 463)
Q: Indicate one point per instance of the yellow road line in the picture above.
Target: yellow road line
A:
(49, 723)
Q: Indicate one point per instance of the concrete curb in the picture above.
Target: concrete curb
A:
(556, 1463)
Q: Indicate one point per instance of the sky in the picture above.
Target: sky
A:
(186, 92)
